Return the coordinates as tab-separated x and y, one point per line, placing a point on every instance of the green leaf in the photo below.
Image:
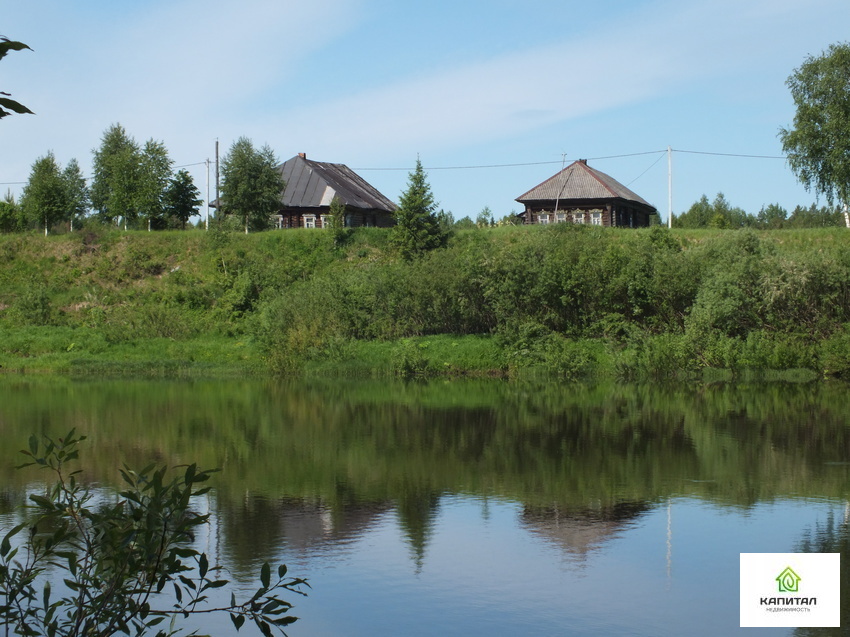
41	501
184	552
190	474
203	564
7	45
6	545
281	571
187	582
285	621
237	620
265	575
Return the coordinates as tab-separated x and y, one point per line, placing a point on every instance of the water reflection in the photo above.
578	532
260	526
404	482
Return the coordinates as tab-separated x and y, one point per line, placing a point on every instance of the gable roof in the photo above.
580	181
314	184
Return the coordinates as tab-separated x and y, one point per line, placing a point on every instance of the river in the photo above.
477	507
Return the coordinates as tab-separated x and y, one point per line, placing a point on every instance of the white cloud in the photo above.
665	47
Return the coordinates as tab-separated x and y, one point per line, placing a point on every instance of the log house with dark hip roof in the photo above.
581	194
311	186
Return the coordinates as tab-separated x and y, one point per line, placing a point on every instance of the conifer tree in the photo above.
78	192
417	228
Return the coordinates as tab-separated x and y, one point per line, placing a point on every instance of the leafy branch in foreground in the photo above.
7	104
124	561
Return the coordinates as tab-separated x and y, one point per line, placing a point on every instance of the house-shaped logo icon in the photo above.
789	581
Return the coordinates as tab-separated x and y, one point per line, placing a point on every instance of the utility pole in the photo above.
217	189
207	222
560	186
669	187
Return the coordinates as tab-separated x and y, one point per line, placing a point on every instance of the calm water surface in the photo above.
479	508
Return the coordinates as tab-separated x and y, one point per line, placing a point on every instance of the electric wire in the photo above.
520	164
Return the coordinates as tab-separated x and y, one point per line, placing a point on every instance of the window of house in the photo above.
578	217
561	217
596	219
309	221
543	218
326	221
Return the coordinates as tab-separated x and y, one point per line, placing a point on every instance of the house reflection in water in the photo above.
301	527
578	531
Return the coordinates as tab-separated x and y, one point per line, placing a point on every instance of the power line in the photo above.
517	165
533	163
660	157
700	152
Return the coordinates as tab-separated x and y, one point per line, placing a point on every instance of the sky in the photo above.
492	96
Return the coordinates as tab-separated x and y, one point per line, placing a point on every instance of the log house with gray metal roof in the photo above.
581	194
311	186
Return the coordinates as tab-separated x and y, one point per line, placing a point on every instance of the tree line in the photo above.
135	186
719	213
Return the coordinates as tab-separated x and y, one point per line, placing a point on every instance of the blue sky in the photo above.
374	83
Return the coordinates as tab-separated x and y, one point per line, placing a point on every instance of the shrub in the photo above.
409	360
117	554
33	306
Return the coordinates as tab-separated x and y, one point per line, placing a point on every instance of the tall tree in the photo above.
45	197
772	216
182	199
818	144
114	190
11	215
154	178
77	192
251	184
7	104
417	228
716	214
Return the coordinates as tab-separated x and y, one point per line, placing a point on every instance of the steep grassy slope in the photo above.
565	300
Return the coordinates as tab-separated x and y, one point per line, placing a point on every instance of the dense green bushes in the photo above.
576	301
566	300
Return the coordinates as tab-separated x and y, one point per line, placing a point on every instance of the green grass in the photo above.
564	301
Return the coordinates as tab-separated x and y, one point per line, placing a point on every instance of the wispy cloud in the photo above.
654	52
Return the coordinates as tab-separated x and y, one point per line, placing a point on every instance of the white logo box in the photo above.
790	590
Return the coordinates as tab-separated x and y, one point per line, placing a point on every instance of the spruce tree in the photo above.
417	228
78	192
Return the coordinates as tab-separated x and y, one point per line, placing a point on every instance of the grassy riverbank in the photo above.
564	301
